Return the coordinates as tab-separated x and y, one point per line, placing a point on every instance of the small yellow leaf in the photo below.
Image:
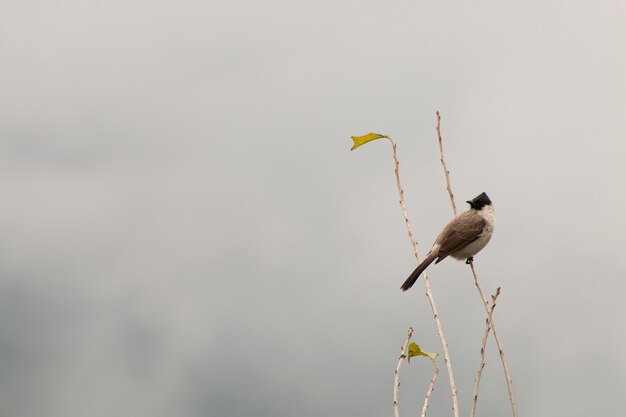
415	350
360	140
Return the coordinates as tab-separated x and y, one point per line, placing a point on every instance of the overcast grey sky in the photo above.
184	231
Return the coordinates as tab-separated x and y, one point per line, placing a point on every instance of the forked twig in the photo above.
480	290
505	366
481	365
396	380
429	295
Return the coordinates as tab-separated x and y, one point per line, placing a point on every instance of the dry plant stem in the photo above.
480	290
505	366
431	387
481	365
396	380
429	295
443	163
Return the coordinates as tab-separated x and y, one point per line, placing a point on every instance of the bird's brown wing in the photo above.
460	232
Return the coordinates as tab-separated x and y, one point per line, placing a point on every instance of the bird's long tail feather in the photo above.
416	274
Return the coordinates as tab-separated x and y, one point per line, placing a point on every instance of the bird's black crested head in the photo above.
479	201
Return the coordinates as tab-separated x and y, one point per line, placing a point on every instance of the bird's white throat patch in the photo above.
488	214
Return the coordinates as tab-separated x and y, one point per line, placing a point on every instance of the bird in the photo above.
462	238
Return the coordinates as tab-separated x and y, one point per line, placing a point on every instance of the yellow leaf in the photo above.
360	140
415	350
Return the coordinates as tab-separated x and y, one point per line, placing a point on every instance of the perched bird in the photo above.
462	238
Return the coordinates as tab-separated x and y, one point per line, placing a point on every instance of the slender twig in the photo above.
396	380
443	163
431	387
481	365
429	295
505	367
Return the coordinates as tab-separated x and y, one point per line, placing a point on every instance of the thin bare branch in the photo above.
443	163
396	380
429	295
481	365
505	366
431	387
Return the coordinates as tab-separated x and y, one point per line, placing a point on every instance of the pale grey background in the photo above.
184	231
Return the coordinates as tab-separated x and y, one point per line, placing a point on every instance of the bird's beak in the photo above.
469	202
